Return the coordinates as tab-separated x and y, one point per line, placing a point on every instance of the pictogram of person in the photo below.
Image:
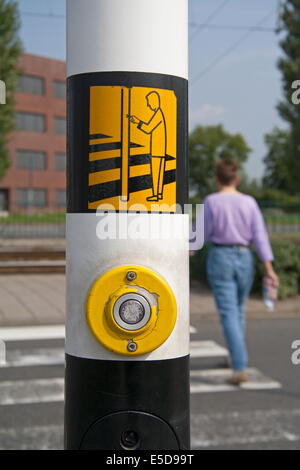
156	127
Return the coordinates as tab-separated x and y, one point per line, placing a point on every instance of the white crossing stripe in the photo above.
28	333
55	356
207	349
52	390
34	357
18	392
198	348
45	390
2	353
214	380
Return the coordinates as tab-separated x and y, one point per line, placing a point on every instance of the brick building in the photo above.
36	177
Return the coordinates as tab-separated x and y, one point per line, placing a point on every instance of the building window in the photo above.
31	122
31	160
32	197
59	89
60	125
61	198
32	85
4	199
60	161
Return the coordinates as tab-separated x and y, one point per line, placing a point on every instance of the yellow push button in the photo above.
131	310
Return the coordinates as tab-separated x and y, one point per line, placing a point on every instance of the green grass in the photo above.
59	218
47	218
290	237
289	219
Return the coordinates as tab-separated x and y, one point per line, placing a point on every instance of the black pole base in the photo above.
127	405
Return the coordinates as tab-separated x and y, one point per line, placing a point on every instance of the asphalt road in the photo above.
256	419
265	417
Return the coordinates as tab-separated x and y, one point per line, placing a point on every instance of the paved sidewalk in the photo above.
32	299
39	299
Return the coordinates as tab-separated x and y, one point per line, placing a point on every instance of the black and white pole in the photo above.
127	329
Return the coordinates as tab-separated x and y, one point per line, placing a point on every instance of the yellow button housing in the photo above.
115	284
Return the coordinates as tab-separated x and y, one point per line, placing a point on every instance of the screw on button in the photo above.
129	440
131	276
132	346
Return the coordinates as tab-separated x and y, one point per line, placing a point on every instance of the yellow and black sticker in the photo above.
132	147
127	139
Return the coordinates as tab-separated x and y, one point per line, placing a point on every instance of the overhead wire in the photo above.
235	27
214	13
231	47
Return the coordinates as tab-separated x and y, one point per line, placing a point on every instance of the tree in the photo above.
280	172
283	155
207	144
289	63
10	50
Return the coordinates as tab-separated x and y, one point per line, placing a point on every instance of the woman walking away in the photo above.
232	222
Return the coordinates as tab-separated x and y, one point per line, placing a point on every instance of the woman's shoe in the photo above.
238	377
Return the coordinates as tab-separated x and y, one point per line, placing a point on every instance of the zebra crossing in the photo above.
32	386
32	393
204	380
45	390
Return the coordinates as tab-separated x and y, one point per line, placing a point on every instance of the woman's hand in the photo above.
274	278
270	273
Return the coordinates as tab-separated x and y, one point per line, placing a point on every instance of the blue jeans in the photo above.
230	273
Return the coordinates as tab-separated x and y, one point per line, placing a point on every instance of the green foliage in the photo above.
289	63
280	163
46	217
198	264
275	200
10	50
287	266
283	155
207	144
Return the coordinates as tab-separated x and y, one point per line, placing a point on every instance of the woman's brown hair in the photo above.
227	171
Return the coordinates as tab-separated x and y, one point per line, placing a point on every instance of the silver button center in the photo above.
132	312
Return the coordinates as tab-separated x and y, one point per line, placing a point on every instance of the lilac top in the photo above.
235	219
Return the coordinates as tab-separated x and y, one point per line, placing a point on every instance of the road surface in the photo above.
264	415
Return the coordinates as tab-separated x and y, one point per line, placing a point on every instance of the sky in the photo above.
232	73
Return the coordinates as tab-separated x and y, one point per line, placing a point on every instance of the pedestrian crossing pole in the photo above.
127	325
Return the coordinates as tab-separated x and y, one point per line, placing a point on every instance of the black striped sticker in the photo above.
102	166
